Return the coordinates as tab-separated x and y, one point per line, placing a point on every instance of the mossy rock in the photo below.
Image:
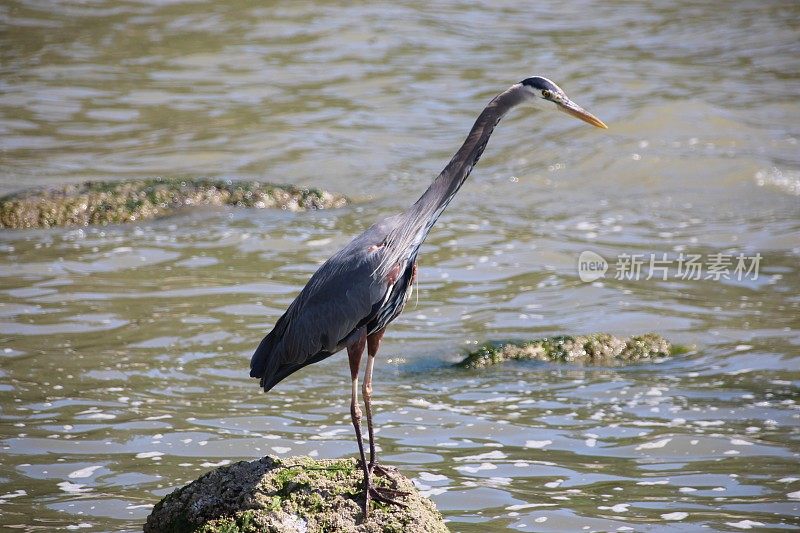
289	495
597	348
113	202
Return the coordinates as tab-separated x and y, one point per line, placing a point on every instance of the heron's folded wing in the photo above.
336	301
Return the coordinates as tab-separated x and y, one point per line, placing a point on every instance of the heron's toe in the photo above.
383	471
384	495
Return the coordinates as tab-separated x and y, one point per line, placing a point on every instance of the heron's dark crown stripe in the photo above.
539	83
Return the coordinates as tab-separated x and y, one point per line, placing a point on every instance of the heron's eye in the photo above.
546	94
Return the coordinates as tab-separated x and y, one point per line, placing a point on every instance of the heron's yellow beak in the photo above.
568	106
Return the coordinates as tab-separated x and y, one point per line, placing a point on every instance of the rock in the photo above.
112	202
598	348
290	495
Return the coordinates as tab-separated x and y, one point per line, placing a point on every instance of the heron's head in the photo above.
537	89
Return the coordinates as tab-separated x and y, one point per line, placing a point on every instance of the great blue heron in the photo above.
356	293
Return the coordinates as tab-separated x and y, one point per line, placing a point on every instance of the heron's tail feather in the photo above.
265	362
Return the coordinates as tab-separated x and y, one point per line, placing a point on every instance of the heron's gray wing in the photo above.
339	298
342	295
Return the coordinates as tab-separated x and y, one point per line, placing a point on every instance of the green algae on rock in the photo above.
598	348
289	495
113	202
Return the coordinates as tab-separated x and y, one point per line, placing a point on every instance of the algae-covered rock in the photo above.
112	202
295	494
599	348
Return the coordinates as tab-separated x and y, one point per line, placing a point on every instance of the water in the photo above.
125	349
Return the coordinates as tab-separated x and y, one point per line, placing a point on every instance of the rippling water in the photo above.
124	350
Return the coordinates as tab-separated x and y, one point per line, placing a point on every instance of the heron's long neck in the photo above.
421	216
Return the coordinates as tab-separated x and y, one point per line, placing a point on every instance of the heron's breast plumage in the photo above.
399	285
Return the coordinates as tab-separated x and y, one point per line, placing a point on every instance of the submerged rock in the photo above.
113	202
599	348
295	494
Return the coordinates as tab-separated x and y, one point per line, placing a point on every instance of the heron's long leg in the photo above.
385	495
373	343
354	353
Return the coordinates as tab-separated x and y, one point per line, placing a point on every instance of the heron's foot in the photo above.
379	469
383	471
386	495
